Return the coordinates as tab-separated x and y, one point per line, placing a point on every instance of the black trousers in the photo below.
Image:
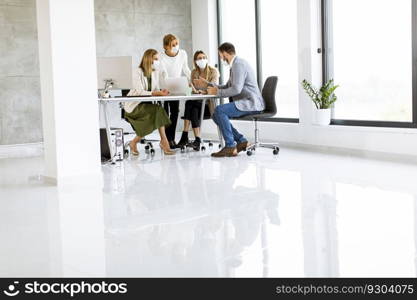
193	112
172	108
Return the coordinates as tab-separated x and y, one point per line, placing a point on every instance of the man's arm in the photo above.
203	83
220	86
235	84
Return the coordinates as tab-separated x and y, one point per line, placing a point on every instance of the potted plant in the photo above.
323	99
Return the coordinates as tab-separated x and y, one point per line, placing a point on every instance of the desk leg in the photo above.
203	106
108	131
218	128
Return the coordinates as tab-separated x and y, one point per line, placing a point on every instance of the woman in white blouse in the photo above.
175	62
143	116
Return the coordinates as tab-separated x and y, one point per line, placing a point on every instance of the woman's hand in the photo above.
212	91
164	92
200	83
160	93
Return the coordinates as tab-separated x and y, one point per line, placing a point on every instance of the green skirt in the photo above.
147	117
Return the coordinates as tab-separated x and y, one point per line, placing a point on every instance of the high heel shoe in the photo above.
134	153
165	151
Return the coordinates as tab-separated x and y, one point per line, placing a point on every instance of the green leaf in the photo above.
324	97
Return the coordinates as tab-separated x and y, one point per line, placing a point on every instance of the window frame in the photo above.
258	40
327	65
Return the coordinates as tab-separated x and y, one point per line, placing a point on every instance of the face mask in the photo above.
176	49
156	64
201	63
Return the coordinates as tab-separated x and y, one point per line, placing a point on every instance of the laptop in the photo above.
177	86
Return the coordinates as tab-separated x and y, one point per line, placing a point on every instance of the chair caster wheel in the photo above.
276	151
203	148
142	141
210	145
150	145
147	147
152	152
249	153
182	149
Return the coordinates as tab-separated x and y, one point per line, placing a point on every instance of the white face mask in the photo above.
201	63
156	64
175	49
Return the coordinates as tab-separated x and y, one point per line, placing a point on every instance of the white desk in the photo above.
105	101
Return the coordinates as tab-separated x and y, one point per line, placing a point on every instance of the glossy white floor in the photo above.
299	214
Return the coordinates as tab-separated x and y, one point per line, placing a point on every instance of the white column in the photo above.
309	66
67	52
204	24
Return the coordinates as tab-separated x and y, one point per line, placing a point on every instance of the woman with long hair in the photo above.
192	113
146	117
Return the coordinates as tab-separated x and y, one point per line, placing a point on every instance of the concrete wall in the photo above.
123	27
20	105
129	27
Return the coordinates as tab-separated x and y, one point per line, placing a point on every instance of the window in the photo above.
369	53
265	34
280	52
238	27
369	46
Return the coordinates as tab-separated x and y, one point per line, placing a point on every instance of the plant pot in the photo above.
323	117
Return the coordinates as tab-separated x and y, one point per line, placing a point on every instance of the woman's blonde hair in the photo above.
147	61
168	40
207	70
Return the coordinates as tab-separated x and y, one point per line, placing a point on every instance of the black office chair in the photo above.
268	93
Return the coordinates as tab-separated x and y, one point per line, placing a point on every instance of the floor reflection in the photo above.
304	214
174	226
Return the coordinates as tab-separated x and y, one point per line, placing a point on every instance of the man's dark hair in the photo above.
228	48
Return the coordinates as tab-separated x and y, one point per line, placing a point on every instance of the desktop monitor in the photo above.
118	69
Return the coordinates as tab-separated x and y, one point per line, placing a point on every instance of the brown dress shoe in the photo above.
242	146
226	152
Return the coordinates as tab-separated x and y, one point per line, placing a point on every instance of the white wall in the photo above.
204	23
386	140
